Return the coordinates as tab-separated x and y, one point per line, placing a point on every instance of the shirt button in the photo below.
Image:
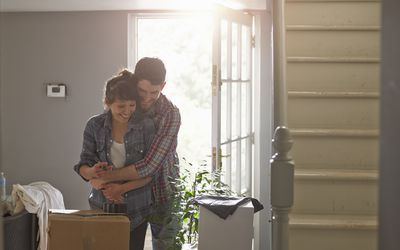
127	154
110	140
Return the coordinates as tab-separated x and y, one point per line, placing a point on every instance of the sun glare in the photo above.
184	44
204	4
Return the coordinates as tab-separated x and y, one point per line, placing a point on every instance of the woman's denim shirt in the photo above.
97	141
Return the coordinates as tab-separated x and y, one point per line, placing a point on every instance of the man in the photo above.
161	161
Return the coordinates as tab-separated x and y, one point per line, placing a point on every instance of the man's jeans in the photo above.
164	228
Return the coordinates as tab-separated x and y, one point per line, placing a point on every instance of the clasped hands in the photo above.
113	191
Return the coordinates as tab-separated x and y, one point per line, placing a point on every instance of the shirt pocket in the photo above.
139	149
136	149
101	151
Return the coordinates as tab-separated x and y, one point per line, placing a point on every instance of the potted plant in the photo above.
190	185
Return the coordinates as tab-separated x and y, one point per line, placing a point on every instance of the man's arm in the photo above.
164	143
126	173
115	191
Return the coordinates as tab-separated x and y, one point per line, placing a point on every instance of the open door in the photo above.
232	87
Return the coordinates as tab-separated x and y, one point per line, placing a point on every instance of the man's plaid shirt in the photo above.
161	160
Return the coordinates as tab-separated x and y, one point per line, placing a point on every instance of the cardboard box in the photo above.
87	230
234	233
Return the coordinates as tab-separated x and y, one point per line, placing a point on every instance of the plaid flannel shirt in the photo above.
161	161
97	140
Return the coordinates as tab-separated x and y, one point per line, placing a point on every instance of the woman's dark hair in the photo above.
121	86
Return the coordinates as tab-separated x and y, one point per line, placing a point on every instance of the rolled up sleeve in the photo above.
88	154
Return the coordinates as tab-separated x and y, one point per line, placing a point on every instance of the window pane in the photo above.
235	132
239	178
224	49
226	163
245	52
244	173
233	166
224	111
234	51
244	108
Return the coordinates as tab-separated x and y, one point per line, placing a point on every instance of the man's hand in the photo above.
113	192
98	183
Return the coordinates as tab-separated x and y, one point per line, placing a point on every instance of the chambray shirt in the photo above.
97	141
161	157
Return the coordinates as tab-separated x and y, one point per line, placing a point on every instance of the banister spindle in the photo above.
282	172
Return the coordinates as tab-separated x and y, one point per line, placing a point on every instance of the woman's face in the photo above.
122	110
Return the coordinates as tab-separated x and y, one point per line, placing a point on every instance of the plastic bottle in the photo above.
2	186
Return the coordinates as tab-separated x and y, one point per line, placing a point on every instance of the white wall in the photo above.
41	137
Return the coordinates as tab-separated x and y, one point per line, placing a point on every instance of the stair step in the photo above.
335	148
333	1
313	43
333	13
336	174
366	133
306	76
325	191
333	94
329	221
345	110
327	59
327	232
333	75
332	28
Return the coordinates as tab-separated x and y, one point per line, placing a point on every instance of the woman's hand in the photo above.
98	170
113	192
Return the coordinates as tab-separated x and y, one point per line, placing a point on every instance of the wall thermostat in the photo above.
56	90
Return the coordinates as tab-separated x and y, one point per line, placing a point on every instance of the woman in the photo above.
114	139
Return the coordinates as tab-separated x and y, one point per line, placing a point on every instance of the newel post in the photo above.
282	173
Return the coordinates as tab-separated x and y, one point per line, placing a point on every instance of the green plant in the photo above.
190	185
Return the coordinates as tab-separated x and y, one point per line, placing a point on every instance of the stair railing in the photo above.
282	166
279	62
282	173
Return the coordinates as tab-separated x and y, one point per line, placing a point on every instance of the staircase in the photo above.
333	102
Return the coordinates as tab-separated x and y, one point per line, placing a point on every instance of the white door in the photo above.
232	129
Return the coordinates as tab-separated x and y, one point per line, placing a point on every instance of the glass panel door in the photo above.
232	130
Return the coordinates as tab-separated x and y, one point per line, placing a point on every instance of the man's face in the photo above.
148	93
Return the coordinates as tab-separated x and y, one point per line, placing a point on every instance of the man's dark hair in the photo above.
151	69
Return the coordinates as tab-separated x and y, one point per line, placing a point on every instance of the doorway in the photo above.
183	43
